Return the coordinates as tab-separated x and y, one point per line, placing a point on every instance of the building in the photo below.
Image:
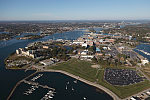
47	62
87	56
84	45
145	61
78	42
26	52
45	47
98	50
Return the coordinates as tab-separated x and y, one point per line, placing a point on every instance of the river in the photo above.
145	48
8	78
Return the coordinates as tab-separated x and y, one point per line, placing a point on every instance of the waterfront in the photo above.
11	45
59	82
10	77
145	48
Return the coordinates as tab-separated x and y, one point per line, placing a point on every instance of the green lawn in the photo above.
84	70
79	68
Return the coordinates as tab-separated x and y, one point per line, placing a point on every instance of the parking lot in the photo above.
121	76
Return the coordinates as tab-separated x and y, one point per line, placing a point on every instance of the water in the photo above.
59	82
97	30
8	78
4	32
145	48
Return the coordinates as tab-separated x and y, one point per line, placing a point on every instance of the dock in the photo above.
37	84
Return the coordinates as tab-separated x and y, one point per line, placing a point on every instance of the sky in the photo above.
74	9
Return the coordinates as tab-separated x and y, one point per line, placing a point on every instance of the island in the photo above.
30	37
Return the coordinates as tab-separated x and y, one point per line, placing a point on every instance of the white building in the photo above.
87	56
85	52
144	61
84	45
78	42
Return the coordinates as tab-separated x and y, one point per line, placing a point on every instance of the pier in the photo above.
18	83
30	83
37	84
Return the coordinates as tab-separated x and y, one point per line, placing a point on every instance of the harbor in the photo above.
54	88
73	89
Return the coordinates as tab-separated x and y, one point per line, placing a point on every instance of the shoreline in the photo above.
110	93
98	86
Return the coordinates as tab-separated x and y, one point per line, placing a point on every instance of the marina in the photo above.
49	95
36	77
144	52
42	88
53	81
9	46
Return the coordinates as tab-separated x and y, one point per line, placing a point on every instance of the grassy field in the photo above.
84	70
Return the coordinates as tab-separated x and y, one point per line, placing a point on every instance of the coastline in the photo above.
113	95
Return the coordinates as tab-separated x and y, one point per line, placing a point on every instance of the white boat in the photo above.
51	94
30	91
72	89
46	95
75	81
84	98
26	93
67	82
50	97
66	87
50	91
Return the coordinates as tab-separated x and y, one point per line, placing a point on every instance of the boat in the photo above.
84	98
46	95
66	87
75	81
26	93
30	91
51	94
72	89
50	91
50	97
67	82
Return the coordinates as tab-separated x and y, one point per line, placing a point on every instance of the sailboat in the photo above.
66	87
75	81
72	89
67	82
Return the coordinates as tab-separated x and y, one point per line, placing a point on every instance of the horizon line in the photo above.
82	20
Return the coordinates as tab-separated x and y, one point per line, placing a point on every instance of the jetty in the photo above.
37	84
18	83
113	95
